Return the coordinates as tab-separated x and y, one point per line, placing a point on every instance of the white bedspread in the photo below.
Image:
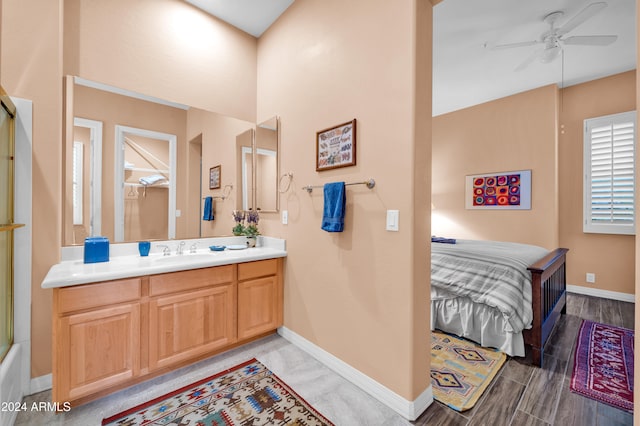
491	273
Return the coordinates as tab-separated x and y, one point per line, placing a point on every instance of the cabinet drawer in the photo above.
260	268
174	282
94	295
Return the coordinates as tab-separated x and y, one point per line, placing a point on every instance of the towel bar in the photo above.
370	184
225	193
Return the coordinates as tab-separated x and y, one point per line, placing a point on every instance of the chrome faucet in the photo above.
180	248
166	251
193	248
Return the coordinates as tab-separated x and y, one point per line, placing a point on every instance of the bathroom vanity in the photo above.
169	312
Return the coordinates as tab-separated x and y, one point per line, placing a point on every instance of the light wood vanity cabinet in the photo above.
259	297
96	337
185	324
110	335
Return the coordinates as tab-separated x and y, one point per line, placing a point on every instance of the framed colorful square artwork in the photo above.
499	191
336	146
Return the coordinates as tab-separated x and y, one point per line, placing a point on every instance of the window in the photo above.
609	169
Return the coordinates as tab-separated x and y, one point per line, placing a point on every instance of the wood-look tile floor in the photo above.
525	395
520	395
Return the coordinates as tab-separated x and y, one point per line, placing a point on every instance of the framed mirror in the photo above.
266	165
244	155
258	167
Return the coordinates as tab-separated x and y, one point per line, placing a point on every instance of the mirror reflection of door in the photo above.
266	175
145	201
86	178
244	144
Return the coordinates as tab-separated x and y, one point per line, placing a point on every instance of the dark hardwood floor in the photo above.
525	395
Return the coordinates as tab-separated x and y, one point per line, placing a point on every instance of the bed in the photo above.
499	294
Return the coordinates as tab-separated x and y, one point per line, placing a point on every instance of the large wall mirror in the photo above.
137	167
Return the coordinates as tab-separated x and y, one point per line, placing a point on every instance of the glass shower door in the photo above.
7	112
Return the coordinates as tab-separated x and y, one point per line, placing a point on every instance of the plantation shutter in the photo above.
610	174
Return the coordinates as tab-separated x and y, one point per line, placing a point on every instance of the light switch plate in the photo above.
285	217
393	217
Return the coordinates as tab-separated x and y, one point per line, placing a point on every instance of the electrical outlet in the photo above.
591	277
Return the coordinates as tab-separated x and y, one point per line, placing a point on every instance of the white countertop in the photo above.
73	271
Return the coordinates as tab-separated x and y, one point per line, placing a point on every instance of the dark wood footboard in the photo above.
549	285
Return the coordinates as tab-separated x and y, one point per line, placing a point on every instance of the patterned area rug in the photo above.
603	366
248	394
461	370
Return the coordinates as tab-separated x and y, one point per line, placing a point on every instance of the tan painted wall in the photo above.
610	257
31	62
513	133
164	48
362	294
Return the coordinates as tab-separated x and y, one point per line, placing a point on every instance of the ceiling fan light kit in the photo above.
553	39
549	54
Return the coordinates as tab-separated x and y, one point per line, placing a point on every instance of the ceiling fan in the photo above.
554	38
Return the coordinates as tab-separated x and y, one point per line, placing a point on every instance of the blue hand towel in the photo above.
208	209
335	200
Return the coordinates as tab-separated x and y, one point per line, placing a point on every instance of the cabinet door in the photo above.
97	349
259	306
187	325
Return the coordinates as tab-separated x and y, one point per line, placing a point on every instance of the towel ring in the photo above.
290	178
226	193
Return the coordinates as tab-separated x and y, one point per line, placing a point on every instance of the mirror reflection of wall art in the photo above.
336	146
215	174
499	191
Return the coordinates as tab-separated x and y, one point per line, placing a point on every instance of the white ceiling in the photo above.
465	72
251	16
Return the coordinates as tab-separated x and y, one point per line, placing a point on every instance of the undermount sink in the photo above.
184	258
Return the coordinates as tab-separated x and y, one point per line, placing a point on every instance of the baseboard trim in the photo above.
410	410
40	384
605	294
10	384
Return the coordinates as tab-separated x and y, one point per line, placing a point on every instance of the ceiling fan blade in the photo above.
512	45
596	40
582	16
524	64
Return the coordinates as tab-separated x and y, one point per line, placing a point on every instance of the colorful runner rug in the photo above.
603	366
248	394
461	370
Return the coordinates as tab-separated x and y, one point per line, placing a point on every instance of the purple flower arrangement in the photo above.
252	218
